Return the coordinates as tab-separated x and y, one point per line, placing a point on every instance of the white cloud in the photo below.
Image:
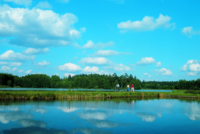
3	63
64	1
36	27
192	111
91	45
43	63
192	73
158	64
106	53
89	69
147	74
164	71
9	108
94	115
83	29
121	67
15	64
36	51
11	63
69	74
67	109
11	55
14	69
29	71
20	71
189	31
147	24
95	61
44	5
20	2
70	67
146	60
5	68
5	118
41	111
31	123
148	117
192	66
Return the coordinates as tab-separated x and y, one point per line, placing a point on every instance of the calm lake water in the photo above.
64	89
100	117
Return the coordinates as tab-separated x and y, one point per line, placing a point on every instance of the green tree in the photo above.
54	80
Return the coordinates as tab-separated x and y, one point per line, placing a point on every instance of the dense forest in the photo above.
91	81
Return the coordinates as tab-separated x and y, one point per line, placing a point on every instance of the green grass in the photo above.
74	94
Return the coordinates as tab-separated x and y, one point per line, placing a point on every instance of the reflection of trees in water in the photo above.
33	130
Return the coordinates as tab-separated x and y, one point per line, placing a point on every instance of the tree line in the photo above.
93	81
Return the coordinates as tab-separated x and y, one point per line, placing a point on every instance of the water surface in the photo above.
97	117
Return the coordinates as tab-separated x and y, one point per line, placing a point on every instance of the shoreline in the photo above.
82	95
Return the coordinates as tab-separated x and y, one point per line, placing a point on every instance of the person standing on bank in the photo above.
117	87
128	88
132	88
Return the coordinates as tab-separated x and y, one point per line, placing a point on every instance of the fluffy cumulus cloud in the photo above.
11	55
192	67
92	45
31	123
35	51
146	60
109	53
95	61
20	2
68	109
5	118
89	69
189	31
147	23
36	27
7	69
11	63
106	53
70	67
29	71
147	74
158	64
69	74
148	117
43	63
44	5
20	71
164	71
121	67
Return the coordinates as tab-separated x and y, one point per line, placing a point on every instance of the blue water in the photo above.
166	116
64	89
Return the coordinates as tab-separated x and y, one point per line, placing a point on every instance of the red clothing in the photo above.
132	85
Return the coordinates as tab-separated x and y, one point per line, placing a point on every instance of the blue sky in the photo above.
153	40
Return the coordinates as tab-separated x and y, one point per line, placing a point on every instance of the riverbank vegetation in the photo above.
70	94
94	81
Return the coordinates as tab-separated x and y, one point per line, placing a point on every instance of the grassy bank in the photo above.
59	95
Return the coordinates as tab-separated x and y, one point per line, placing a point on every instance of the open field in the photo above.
51	95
